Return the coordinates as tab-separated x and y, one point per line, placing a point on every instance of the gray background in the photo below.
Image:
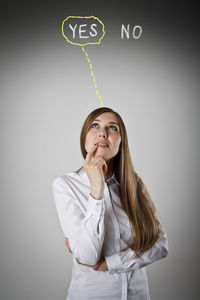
47	92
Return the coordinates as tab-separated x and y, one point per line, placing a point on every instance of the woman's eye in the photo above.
93	125
114	127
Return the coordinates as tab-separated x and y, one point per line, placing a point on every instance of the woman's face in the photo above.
104	130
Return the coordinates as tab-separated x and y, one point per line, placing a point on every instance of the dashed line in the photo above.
92	73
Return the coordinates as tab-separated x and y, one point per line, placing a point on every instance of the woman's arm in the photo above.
85	233
100	266
123	261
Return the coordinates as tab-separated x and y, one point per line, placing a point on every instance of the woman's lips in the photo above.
100	145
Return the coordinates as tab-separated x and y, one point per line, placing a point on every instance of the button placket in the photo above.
113	216
124	286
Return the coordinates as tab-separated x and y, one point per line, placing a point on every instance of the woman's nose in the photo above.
103	133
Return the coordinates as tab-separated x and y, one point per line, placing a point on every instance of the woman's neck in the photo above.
110	169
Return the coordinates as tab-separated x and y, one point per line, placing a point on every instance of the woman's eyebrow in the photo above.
111	122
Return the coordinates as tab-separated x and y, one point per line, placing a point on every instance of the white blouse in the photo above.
98	228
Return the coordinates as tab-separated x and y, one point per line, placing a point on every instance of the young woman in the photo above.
110	224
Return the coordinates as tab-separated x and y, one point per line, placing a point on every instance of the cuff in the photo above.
113	262
95	207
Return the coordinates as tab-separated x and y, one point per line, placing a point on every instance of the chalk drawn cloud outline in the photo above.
79	17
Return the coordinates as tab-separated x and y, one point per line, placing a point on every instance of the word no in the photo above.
136	32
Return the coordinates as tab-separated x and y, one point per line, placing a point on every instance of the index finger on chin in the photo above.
90	153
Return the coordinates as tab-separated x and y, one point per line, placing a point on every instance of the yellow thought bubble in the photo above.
83	44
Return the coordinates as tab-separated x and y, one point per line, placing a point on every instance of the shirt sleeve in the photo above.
123	261
85	231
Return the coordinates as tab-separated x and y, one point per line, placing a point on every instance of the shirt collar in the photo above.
113	177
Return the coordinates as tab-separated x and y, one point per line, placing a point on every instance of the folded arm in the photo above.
123	261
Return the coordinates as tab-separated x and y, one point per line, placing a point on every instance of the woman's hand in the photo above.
103	266
95	167
100	266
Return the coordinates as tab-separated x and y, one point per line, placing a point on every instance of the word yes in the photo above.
82	29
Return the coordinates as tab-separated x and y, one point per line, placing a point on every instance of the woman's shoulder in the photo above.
67	178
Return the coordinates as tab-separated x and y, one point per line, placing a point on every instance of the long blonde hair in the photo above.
134	197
